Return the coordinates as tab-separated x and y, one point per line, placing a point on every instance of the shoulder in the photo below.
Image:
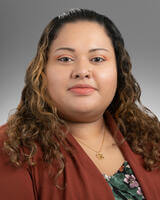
3	129
3	137
15	183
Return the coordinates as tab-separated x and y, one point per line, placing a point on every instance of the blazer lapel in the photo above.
149	181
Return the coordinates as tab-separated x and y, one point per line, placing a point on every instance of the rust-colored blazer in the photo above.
83	179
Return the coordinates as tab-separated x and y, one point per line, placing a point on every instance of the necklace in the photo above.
98	155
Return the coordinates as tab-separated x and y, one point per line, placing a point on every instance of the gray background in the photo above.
22	22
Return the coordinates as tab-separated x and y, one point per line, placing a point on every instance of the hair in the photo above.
36	122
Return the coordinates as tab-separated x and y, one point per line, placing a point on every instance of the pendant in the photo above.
99	156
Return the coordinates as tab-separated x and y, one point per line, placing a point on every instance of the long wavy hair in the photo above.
35	121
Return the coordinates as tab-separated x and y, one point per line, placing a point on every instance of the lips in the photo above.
82	89
82	86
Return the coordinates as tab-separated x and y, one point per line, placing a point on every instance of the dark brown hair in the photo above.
36	121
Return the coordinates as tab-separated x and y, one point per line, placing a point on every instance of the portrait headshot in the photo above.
81	129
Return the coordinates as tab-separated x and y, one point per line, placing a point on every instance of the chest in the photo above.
110	163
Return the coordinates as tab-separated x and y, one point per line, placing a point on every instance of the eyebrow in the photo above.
73	50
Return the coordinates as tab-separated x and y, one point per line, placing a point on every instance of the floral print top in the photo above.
124	184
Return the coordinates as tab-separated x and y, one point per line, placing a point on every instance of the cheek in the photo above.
108	85
108	78
55	82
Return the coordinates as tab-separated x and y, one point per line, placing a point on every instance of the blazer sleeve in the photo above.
15	183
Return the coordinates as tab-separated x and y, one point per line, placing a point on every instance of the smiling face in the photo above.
80	64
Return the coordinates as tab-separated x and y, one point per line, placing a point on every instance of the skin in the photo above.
83	113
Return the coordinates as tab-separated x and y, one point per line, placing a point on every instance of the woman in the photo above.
78	131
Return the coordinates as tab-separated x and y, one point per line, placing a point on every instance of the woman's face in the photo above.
81	64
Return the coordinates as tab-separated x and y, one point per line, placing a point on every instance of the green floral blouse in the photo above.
124	184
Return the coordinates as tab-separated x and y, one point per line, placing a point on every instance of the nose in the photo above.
81	75
81	72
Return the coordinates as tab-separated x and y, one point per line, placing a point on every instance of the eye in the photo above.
98	59
64	59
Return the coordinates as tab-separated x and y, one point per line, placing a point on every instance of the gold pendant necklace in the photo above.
98	155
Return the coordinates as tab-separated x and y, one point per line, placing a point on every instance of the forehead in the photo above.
82	33
85	24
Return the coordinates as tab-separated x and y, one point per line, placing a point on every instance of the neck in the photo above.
89	131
